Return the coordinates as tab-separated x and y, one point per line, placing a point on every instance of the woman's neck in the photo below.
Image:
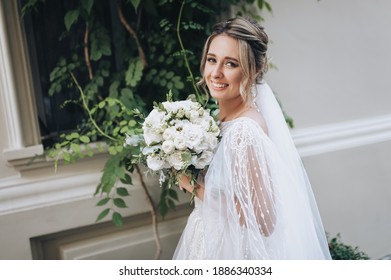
231	109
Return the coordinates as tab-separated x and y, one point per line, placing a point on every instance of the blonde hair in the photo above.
252	41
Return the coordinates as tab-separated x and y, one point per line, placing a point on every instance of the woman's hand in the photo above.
197	189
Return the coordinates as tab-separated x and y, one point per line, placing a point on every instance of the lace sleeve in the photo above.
252	185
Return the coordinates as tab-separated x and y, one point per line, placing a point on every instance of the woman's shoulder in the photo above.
256	117
247	122
249	125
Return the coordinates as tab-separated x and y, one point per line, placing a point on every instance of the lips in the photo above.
218	85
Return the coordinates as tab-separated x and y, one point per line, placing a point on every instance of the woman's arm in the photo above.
184	183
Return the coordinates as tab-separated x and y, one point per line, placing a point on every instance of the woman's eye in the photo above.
211	59
231	64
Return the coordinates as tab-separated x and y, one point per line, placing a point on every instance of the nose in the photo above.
217	71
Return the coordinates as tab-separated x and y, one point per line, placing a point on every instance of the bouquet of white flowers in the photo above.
180	138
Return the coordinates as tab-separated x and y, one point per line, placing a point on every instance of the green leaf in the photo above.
171	203
102	214
127	179
134	73
122	192
135	4
70	18
268	7
119	202
173	194
85	139
66	156
117	219
120	172
112	151
76	148
87	5
103	201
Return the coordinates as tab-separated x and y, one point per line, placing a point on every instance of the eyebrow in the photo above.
227	57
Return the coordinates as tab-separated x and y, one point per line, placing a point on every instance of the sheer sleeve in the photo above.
252	185
240	203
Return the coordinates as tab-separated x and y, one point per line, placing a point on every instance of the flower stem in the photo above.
199	97
83	97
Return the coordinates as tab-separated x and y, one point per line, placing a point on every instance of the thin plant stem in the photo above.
199	98
85	105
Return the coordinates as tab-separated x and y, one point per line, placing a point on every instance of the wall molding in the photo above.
79	182
318	140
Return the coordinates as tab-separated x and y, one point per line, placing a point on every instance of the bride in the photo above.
255	201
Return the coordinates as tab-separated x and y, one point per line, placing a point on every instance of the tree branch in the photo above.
86	53
153	213
132	33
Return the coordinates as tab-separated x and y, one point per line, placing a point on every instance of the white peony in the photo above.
175	160
170	133
156	163
193	134
168	146
133	140
180	142
152	136
203	160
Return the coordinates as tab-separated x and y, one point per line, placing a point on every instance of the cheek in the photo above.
237	78
207	71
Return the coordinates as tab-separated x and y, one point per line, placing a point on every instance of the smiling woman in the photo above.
255	201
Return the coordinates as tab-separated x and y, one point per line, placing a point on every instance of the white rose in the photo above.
156	163
175	160
204	145
203	160
193	135
194	115
211	139
152	136
154	119
149	150
168	146
180	142
180	113
133	140
169	134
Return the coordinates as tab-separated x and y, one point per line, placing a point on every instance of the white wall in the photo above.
333	60
334	66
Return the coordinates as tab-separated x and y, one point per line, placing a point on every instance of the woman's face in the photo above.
222	71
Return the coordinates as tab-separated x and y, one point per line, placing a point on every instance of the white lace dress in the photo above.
252	208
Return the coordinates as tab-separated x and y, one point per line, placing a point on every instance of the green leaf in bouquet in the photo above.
169	96
163	208
173	194
171	203
186	157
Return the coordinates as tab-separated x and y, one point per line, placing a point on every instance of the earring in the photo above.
254	96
